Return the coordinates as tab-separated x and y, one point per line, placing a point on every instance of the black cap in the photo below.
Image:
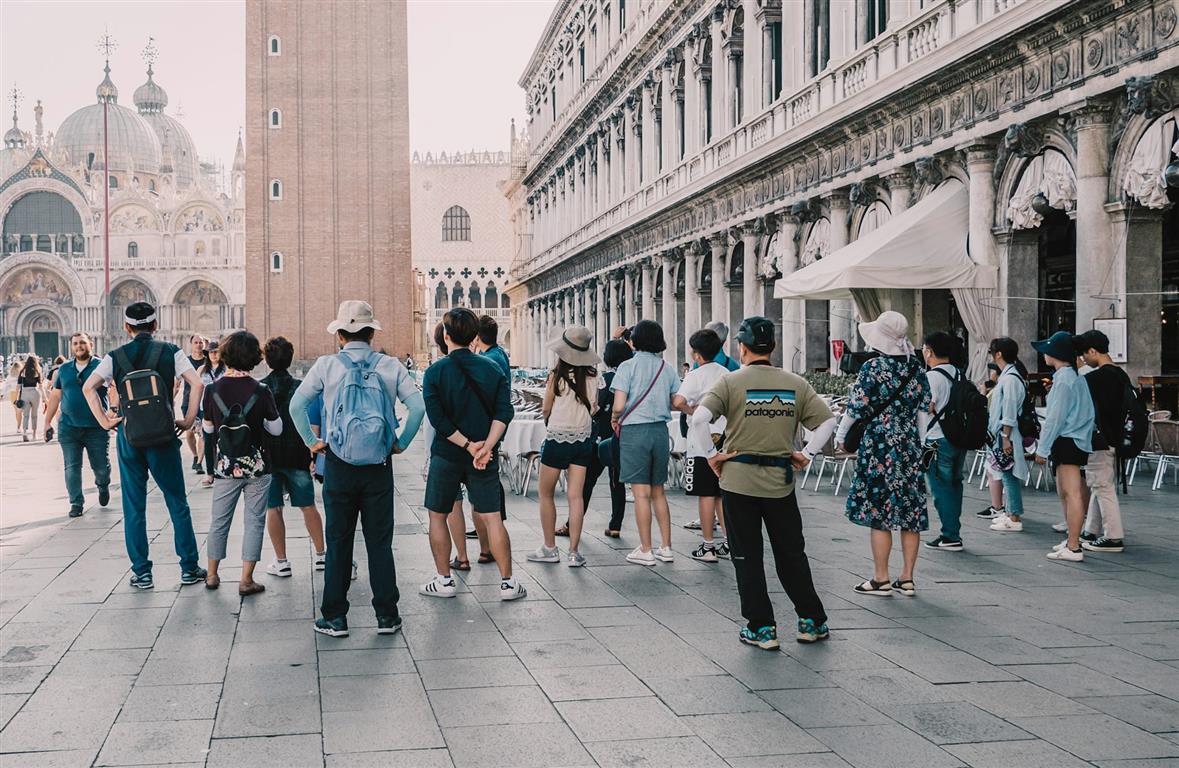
757	333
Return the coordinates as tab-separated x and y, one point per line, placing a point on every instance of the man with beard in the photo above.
78	429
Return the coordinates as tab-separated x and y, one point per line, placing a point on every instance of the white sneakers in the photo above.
1061	527
663	554
639	557
511	590
279	568
439	587
1062	552
543	554
1006	524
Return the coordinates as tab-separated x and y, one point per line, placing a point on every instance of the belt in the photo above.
760	460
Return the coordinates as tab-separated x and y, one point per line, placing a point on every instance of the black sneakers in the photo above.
990	513
387	625
1103	545
193	575
336	627
75	510
1086	536
941	542
143	581
104	495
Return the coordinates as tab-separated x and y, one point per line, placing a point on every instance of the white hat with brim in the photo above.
573	346
354	316
888	334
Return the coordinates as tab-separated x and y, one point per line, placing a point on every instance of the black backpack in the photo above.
1135	425
1028	421
144	402
238	456
964	417
287	449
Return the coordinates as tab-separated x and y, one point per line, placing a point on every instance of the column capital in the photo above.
900	178
673	256
1090	113
838	198
753	227
718	240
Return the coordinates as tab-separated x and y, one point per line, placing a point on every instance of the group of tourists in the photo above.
750	428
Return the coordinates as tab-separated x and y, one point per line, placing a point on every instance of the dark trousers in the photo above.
350	492
95	441
617	490
744	517
210	452
163	463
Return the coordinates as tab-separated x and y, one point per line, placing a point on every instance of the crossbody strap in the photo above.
876	411
658	374
938	416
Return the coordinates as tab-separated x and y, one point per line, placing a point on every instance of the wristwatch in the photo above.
467	444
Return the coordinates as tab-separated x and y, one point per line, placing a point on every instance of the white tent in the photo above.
923	247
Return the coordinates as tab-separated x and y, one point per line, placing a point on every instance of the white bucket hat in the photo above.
573	346
353	316
888	334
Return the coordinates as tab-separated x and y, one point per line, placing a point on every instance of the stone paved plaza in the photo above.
1003	659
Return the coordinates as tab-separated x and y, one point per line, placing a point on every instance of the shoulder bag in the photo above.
856	434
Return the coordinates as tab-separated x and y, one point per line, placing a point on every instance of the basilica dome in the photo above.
177	148
133	143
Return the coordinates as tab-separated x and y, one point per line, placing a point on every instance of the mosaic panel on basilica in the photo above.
176	231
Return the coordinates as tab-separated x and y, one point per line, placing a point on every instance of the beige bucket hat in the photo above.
353	316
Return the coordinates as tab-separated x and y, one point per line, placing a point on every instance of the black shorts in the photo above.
446	479
563	455
1065	451
699	479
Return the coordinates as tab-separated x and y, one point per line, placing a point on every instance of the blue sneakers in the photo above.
809	633
142	581
765	638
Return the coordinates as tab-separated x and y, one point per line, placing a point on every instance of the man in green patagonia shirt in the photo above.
763	406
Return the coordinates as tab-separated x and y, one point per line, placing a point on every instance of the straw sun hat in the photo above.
573	346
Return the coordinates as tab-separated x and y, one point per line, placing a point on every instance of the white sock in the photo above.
708	543
446	578
510	581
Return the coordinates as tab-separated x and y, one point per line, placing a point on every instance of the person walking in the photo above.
945	473
1066	437
1006	464
144	365
194	438
32	391
642	388
212	370
239	413
601	460
360	426
1109	386
12	393
568	409
290	463
77	429
887	493
699	478
762	406
465	450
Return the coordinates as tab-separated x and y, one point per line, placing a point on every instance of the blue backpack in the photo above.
363	424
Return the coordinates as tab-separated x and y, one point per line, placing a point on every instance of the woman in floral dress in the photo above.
888	491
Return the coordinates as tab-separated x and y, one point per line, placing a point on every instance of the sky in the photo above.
465	59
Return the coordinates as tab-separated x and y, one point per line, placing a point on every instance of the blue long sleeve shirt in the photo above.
328	374
1070	412
452	406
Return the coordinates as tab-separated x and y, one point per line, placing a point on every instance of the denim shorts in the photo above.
644	451
293	482
446	478
562	455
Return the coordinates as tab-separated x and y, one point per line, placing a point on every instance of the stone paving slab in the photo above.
1003	659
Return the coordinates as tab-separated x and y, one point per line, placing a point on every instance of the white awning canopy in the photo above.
923	247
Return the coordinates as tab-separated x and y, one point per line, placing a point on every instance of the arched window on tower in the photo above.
274	46
114	182
491	297
475	297
275	189
276	261
132	250
440	297
456	224
276	118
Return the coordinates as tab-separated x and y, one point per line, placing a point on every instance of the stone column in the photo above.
601	324
587	304
614	288
648	268
618	157
793	310
900	190
601	178
1140	232
628	302
667	307
569	300
650	136
691	96
841	311
750	237
667	108
1095	245
1019	275
719	243
720	81
691	269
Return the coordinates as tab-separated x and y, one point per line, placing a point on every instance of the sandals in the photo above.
212	581
563	530
905	587
460	565
613	534
486	557
872	587
253	588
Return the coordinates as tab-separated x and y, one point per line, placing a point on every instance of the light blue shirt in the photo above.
1070	412
1003	411
634	376
328	373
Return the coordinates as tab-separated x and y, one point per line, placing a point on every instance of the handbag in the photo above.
629	411
856	433
19	403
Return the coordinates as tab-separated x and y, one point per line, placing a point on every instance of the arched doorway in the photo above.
200	304
43	329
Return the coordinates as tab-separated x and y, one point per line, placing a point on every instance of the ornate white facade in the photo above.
461	236
176	240
688	155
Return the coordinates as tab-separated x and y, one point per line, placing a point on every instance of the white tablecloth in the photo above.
523	436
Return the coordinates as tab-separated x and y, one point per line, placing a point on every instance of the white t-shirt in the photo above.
939	388
106	366
696	385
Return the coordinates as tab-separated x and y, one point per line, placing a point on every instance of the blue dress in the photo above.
888	491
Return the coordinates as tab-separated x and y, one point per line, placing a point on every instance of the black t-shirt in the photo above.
29	379
237	390
1107	386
